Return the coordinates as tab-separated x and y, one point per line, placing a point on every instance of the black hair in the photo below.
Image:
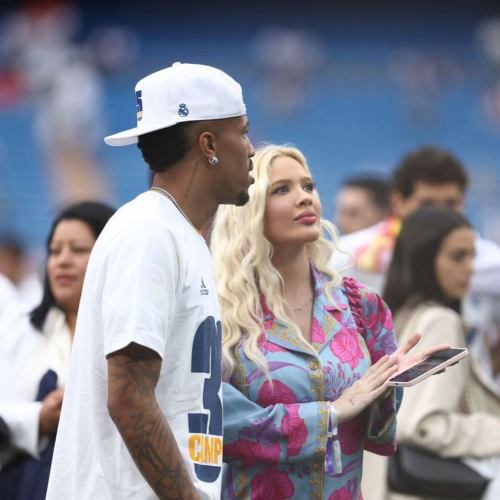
378	189
92	213
13	243
163	148
429	164
411	278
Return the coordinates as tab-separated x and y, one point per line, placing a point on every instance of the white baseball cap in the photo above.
181	93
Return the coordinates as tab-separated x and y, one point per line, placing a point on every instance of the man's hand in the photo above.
50	412
133	373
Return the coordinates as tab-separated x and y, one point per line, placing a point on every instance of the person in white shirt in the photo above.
8	294
142	412
35	350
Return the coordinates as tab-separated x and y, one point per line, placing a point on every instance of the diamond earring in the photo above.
213	161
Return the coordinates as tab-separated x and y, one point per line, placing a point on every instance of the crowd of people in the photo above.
215	337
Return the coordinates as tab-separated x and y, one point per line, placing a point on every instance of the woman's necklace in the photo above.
165	193
308	301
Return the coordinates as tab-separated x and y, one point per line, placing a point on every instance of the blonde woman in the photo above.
305	381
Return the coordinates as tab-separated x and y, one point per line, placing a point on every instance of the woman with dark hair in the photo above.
88	219
38	353
413	275
456	414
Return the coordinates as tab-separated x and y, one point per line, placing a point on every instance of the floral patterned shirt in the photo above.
275	434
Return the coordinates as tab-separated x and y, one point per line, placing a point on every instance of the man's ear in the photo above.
207	144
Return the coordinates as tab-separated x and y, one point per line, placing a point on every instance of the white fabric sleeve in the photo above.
430	414
23	420
486	277
139	290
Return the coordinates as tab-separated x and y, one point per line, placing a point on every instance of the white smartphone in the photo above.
433	364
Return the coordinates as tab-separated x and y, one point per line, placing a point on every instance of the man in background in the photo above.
361	202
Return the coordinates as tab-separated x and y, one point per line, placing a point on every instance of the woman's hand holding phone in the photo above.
377	379
417	367
406	360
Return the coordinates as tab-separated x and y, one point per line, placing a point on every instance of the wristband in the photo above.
333	461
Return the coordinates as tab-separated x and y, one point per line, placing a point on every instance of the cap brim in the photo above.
124	138
130	136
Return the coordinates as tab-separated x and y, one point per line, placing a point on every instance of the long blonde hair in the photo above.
243	267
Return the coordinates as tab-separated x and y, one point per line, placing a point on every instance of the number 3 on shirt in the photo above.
205	442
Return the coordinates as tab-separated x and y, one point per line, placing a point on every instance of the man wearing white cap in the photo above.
142	411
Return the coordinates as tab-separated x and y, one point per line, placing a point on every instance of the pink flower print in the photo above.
268	323
271	347
276	393
272	484
317	333
295	429
348	492
265	346
261	430
378	315
372	308
261	343
345	346
385	318
352	433
381	346
335	313
266	312
252	453
341	494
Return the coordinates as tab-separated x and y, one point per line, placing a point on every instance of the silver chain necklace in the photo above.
303	305
165	193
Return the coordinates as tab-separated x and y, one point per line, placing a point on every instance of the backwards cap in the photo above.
181	93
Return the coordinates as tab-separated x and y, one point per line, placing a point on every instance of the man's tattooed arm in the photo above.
133	373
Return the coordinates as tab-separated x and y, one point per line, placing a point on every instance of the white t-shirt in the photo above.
149	281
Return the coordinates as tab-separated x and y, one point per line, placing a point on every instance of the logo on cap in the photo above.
138	106
183	110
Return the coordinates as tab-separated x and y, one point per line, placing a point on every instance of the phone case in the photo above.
441	366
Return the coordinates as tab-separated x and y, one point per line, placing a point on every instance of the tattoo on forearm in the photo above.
149	439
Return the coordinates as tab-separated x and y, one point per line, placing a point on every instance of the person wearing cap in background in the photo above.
142	413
